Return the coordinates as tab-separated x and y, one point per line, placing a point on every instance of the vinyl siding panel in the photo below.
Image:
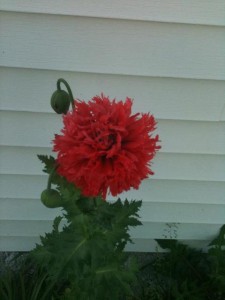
118	46
166	165
147	245
157	190
154	211
168	98
33	228
37	130
169	57
177	11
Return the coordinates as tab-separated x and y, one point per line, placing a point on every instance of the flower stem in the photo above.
72	254
105	271
61	80
50	178
78	246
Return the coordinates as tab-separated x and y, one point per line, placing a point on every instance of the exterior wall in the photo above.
169	57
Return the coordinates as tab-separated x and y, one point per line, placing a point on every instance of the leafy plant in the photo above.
179	274
25	283
184	273
217	258
86	257
102	148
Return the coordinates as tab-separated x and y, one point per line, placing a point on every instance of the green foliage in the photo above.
49	162
217	258
49	167
86	258
60	101
184	273
26	283
87	254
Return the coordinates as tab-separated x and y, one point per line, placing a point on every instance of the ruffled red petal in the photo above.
103	148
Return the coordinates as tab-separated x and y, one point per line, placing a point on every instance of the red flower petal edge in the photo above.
104	148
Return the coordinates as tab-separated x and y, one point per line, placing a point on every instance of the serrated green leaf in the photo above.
56	223
94	238
166	243
48	161
220	239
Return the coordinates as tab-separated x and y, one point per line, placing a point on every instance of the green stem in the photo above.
50	178
61	80
78	246
105	271
68	259
74	251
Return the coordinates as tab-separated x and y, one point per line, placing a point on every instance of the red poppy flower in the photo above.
103	148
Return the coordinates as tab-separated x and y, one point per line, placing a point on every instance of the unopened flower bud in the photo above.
60	101
51	198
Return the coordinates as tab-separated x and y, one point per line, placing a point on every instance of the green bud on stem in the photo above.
60	102
51	198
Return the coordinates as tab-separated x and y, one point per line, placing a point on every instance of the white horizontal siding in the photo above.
148	245
30	231
161	54
180	11
167	220
18	243
166	165
168	98
32	209
156	190
117	46
38	129
149	230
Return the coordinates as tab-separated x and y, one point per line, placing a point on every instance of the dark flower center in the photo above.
106	141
